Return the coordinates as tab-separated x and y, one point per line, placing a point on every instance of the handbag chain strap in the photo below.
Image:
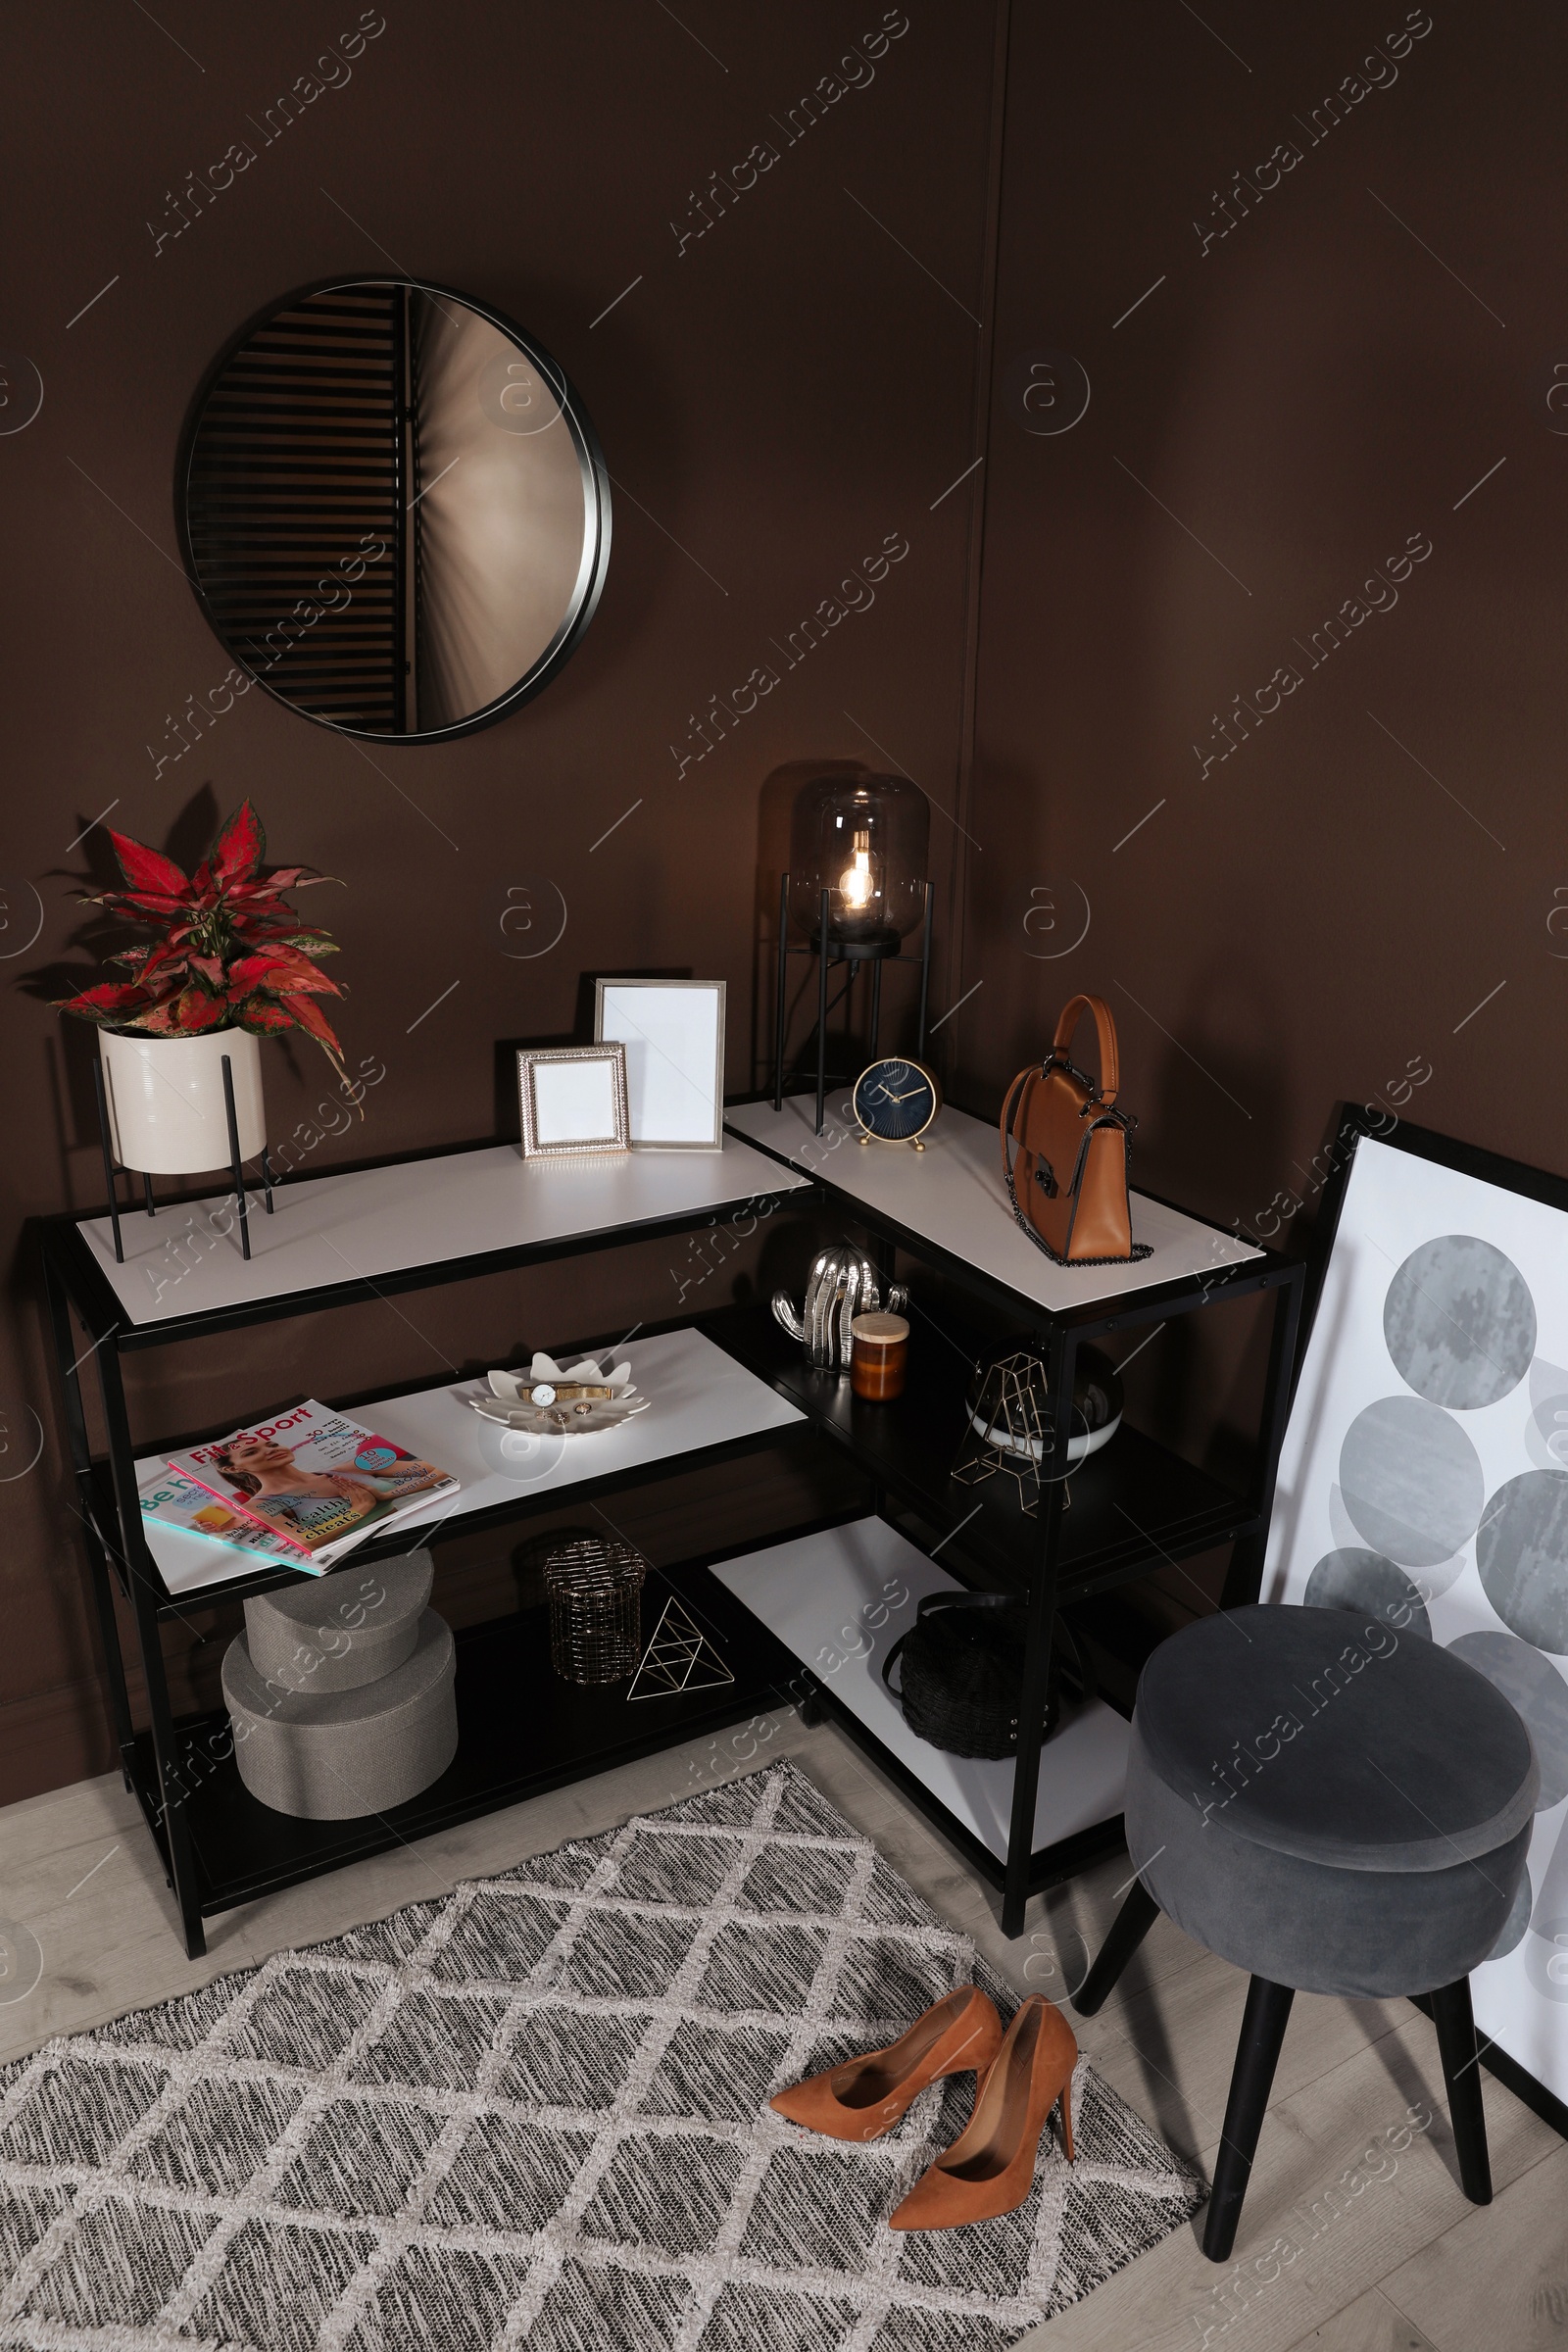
1139	1251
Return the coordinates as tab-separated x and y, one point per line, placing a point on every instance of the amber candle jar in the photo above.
878	1347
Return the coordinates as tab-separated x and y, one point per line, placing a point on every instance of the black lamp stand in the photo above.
846	953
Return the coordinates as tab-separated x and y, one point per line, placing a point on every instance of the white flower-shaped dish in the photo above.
510	1403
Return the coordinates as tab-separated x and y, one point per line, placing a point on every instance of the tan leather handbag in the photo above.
1065	1148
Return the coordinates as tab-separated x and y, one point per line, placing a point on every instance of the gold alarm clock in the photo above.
896	1101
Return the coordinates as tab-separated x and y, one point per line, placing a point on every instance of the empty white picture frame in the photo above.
673	1032
573	1101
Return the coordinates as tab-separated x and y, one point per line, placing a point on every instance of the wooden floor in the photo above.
1355	2236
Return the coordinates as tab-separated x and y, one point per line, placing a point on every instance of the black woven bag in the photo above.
960	1668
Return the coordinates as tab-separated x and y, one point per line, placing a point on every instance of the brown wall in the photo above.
1322	909
773	399
1306	920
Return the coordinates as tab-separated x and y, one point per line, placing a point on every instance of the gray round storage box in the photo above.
332	1755
338	1632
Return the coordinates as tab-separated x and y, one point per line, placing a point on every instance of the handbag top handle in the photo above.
1106	1035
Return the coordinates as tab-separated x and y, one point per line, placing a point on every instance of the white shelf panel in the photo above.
700	1397
952	1195
332	1229
825	1594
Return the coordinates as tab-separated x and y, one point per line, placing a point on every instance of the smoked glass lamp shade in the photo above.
865	841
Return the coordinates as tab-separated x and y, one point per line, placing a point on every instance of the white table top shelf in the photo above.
952	1195
698	1396
462	1205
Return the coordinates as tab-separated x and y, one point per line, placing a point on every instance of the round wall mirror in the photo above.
393	509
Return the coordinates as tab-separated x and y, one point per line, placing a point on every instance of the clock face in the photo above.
896	1101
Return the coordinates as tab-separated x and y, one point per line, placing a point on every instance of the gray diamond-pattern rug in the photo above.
534	2114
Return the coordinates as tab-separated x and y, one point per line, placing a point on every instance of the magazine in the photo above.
314	1477
172	1500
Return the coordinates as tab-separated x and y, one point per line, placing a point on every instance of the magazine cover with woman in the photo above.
317	1479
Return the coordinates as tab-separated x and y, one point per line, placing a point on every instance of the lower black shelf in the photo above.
520	1730
1130	1506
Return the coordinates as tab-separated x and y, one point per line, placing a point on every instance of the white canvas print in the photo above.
1424	1478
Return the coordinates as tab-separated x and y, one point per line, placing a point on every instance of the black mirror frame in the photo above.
596	500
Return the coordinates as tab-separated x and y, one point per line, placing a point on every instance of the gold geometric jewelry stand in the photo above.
679	1657
1020	1437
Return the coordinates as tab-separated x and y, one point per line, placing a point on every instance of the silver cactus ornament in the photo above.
843	1283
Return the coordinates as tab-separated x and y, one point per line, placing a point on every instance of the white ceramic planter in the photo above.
166	1100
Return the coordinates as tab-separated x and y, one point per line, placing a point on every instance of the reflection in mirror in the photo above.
394	510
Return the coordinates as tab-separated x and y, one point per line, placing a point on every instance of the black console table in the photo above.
724	1384
341	1240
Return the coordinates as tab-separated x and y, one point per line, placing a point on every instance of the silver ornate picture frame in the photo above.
573	1100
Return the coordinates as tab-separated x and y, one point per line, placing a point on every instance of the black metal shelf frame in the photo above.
1132	1507
1036	1554
106	1503
1122	1508
520	1732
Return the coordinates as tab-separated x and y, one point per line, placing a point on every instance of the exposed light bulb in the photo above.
857	883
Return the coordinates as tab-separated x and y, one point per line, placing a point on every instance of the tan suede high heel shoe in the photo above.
991	2167
866	2097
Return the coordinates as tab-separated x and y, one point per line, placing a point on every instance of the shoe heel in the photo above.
1066	2121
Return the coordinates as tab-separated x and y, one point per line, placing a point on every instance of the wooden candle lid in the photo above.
879	1330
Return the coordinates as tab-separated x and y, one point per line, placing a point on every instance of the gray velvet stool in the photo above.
1337	1807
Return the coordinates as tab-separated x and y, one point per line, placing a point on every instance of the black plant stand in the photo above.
114	1169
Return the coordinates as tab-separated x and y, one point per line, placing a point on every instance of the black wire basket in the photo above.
960	1672
594	1590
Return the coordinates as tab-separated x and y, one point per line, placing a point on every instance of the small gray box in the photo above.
341	1631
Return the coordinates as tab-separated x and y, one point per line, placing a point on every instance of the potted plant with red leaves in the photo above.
229	963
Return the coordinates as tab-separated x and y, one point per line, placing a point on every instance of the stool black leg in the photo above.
1461	2075
1268	2011
1128	1928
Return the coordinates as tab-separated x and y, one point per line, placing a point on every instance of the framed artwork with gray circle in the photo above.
1423	1483
393	509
